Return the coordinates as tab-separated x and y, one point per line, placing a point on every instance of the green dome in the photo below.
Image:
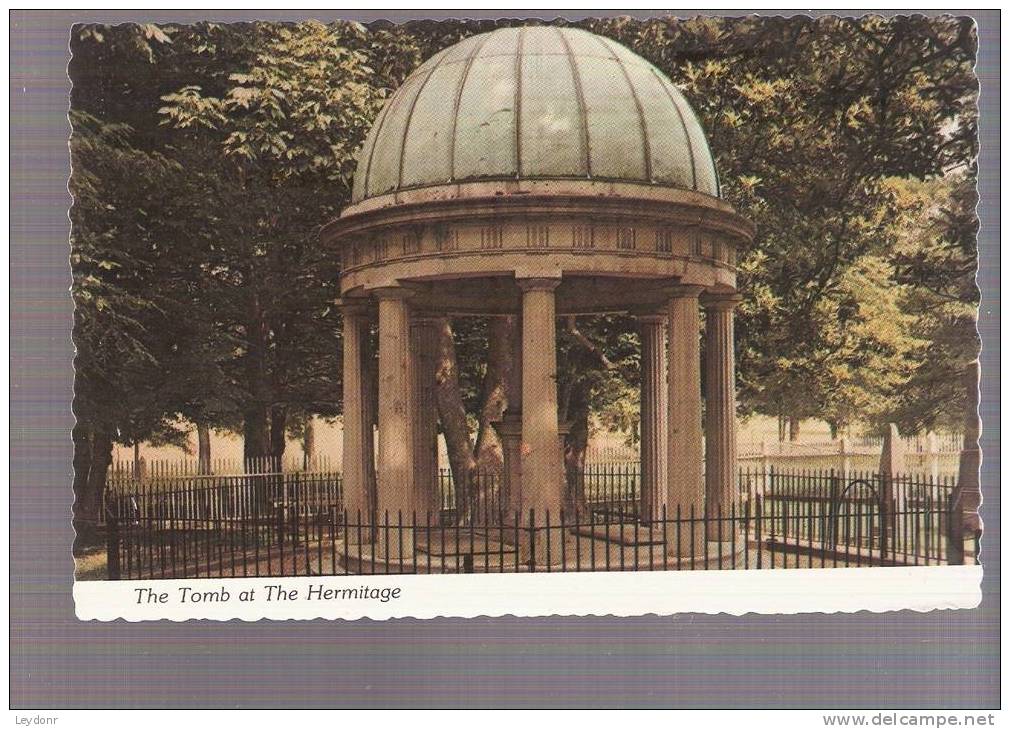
535	103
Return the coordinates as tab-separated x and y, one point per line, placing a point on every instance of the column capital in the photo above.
424	318
683	291
392	293
541	283
720	301
650	315
354	306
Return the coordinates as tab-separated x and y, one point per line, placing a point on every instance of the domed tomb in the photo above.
537	172
537	150
535	104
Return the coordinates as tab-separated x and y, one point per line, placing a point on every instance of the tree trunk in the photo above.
256	434
576	444
89	506
452	414
494	398
782	428
308	443
794	428
965	521
257	445
203	448
81	436
278	432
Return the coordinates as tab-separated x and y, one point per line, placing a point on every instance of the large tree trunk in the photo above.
256	435
257	445
494	397
89	502
278	432
794	428
308	443
782	428
82	461
576	444
203	454
488	452
452	415
965	522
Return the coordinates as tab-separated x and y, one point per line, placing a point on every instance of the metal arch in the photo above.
837	500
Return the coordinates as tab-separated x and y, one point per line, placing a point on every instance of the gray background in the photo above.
943	659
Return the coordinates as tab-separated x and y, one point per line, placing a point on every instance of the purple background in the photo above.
942	659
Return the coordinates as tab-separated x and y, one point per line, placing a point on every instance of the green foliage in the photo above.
599	368
207	156
809	119
935	260
140	353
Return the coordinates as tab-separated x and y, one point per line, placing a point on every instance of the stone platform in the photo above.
581	553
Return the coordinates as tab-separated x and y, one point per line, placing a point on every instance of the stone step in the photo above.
479	546
628	535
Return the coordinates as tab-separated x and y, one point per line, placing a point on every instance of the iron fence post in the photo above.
112	545
533	542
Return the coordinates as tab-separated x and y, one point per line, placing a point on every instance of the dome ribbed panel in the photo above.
427	155
550	111
535	103
486	121
384	172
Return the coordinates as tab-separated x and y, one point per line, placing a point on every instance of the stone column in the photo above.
395	487
684	485
542	484
653	414
424	344
358	487
720	413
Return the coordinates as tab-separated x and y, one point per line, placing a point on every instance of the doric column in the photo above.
684	482
653	416
542	484
396	494
358	457
424	343
720	411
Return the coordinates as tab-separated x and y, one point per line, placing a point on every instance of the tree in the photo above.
935	261
849	141
808	118
279	139
134	341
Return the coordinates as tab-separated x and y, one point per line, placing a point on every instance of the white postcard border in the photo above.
351	597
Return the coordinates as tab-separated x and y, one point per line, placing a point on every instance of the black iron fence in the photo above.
613	488
294	524
196	498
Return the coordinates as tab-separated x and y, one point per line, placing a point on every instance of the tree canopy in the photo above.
207	157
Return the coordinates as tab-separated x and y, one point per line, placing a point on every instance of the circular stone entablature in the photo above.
536	152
